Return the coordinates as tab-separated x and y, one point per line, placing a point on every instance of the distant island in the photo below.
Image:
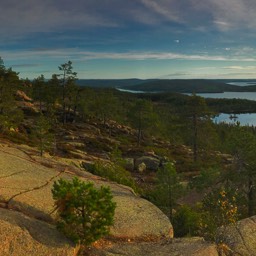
172	85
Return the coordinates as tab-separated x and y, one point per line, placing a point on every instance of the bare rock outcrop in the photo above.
152	163
21	95
176	247
25	190
21	235
27	217
240	238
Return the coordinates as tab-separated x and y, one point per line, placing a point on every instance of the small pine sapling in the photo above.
84	212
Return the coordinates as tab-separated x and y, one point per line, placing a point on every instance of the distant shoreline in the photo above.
172	85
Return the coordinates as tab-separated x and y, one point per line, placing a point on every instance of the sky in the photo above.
113	39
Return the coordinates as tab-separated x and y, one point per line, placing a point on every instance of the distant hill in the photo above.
167	85
111	83
189	86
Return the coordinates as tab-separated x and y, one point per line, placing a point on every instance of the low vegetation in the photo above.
85	213
113	172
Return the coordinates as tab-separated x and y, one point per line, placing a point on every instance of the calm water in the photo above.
244	119
230	95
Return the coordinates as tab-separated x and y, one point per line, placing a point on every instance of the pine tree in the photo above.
67	82
85	213
10	115
168	189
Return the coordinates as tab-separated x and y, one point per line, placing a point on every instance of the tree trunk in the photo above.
139	136
250	197
195	149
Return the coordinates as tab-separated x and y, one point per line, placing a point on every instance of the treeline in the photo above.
176	117
188	86
229	106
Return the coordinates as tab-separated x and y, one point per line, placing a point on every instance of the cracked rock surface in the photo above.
25	193
176	247
241	238
22	235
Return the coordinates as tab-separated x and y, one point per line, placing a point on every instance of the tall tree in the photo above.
105	106
43	134
67	80
10	115
39	90
143	117
242	145
198	115
168	189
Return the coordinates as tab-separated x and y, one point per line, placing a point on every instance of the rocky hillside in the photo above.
27	216
27	213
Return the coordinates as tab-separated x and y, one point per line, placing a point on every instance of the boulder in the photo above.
129	164
240	238
176	247
28	107
26	183
141	167
136	218
21	95
21	235
152	163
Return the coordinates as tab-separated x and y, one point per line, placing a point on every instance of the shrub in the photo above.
186	221
85	213
219	210
115	173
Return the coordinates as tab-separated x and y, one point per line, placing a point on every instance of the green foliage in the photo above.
207	178
219	209
43	134
197	120
85	213
186	221
168	189
69	89
10	115
232	105
241	143
116	157
10	119
46	93
106	106
114	172
143	117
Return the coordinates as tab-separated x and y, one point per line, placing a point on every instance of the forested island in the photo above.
164	146
171	85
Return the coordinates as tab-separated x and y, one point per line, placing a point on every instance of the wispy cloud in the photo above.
247	68
231	14
76	54
163	8
26	65
28	16
223	15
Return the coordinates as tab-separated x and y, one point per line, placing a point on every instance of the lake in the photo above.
244	119
230	95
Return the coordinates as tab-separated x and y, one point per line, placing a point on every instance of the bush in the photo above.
219	209
85	213
115	173
186	221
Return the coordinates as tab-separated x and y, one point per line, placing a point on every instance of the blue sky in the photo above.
130	38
